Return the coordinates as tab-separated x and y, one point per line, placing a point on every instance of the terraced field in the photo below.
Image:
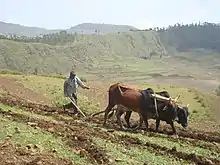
34	130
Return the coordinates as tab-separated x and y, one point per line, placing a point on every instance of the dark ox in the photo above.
134	100
166	112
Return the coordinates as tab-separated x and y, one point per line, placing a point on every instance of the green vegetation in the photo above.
24	135
86	53
117	151
192	36
132	56
134	155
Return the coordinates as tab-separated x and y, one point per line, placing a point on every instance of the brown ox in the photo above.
128	97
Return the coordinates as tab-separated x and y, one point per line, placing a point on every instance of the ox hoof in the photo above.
92	115
124	128
135	128
175	136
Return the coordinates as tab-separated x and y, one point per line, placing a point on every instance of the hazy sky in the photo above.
54	14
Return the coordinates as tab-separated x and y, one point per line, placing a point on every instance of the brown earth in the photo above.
13	86
14	155
80	136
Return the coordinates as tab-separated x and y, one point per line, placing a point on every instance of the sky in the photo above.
62	14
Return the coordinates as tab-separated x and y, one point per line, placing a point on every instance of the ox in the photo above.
134	100
166	112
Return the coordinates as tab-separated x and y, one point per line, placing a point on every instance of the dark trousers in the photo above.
70	105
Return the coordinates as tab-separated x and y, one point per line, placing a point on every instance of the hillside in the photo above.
86	28
123	56
86	52
184	38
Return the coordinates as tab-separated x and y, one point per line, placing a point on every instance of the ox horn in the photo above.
187	105
177	97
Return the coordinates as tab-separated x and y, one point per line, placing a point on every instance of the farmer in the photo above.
70	89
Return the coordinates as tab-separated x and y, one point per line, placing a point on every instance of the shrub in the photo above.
7	71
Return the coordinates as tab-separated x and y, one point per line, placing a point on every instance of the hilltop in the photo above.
91	28
86	28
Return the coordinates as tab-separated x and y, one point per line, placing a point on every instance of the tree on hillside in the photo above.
191	36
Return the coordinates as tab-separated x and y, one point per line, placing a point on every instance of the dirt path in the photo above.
13	86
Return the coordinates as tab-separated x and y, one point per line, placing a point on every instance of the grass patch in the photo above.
122	155
8	71
45	140
27	113
96	98
183	147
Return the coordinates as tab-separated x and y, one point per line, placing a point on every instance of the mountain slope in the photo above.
19	30
87	52
183	38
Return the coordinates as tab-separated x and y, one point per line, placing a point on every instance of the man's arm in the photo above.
81	83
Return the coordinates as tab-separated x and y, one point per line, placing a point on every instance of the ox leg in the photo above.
127	118
173	128
140	122
107	110
118	116
146	122
157	124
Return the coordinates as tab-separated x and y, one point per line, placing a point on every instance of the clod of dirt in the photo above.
51	129
208	161
54	150
110	161
28	146
9	136
35	161
174	148
118	160
110	130
32	124
82	152
17	130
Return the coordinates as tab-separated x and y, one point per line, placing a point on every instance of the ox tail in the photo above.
98	113
111	114
94	114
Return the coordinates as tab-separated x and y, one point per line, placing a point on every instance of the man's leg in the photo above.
68	106
75	98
